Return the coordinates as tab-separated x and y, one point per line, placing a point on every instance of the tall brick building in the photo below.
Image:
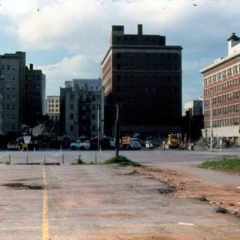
33	96
222	94
144	75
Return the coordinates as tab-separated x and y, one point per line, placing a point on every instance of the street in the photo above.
108	202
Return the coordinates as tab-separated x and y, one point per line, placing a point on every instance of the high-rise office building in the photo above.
143	75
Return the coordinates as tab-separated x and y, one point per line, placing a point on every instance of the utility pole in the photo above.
98	126
117	130
211	126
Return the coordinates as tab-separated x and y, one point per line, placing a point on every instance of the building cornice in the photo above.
139	47
221	62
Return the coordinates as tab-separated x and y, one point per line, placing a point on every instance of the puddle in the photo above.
21	186
222	210
166	190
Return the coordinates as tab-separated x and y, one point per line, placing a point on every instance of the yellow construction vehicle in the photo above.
172	141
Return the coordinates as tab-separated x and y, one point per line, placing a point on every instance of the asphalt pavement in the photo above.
93	202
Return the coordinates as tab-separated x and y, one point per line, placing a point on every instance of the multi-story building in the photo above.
194	107
1	120
192	121
222	94
53	108
12	76
33	96
143	75
82	108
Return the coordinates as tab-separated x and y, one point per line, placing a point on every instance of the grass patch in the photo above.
5	162
223	164
121	161
78	161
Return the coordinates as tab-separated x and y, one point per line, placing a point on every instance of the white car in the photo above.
80	144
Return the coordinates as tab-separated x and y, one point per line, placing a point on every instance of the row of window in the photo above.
7	78
8	67
11	97
221	87
54	118
162	67
223	99
8	107
53	101
52	105
143	38
53	110
149	78
223	122
224	110
222	75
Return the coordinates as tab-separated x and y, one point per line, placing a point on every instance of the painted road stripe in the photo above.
45	233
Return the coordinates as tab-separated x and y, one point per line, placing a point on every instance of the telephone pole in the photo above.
117	130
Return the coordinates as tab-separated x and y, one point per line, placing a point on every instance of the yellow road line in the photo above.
45	232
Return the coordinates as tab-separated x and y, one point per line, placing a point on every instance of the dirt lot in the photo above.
186	186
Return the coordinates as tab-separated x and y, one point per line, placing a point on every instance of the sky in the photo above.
68	38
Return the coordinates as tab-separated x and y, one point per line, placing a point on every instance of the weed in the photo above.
223	164
78	161
121	161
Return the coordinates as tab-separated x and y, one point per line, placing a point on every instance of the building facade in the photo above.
12	76
33	96
82	108
192	120
222	95
195	107
143	75
53	108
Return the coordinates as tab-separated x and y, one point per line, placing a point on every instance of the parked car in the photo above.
81	144
13	146
149	144
134	144
129	143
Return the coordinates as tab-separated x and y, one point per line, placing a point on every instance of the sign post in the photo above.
27	140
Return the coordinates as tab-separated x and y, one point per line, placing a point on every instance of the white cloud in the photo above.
78	66
82	28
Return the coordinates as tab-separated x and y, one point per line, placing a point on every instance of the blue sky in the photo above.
68	38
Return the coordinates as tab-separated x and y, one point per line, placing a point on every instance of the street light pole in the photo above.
117	130
211	126
98	125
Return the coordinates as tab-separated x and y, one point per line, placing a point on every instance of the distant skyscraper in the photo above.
144	75
12	76
222	94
